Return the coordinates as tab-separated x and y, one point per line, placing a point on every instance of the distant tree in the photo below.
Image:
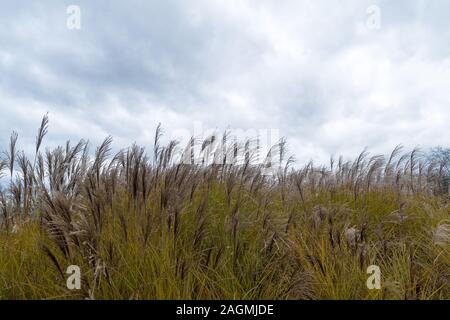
441	158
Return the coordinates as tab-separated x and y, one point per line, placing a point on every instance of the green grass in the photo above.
143	228
259	260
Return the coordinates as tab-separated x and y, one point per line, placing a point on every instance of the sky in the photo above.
331	78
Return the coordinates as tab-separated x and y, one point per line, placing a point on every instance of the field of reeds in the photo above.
147	226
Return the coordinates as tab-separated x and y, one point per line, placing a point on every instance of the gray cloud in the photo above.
312	69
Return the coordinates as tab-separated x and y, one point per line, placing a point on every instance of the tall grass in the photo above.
152	227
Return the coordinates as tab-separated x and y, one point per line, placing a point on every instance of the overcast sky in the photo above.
330	77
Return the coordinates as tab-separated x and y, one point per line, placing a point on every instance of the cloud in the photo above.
311	69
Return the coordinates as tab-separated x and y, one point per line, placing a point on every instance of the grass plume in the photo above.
154	227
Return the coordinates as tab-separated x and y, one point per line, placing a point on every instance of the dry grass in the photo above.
150	227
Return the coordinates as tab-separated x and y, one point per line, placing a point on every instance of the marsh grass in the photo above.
150	227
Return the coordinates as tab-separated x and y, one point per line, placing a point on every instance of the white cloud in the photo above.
311	69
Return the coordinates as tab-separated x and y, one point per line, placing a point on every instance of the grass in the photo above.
142	227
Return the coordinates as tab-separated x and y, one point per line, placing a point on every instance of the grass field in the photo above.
148	227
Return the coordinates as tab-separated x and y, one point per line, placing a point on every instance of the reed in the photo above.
153	227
